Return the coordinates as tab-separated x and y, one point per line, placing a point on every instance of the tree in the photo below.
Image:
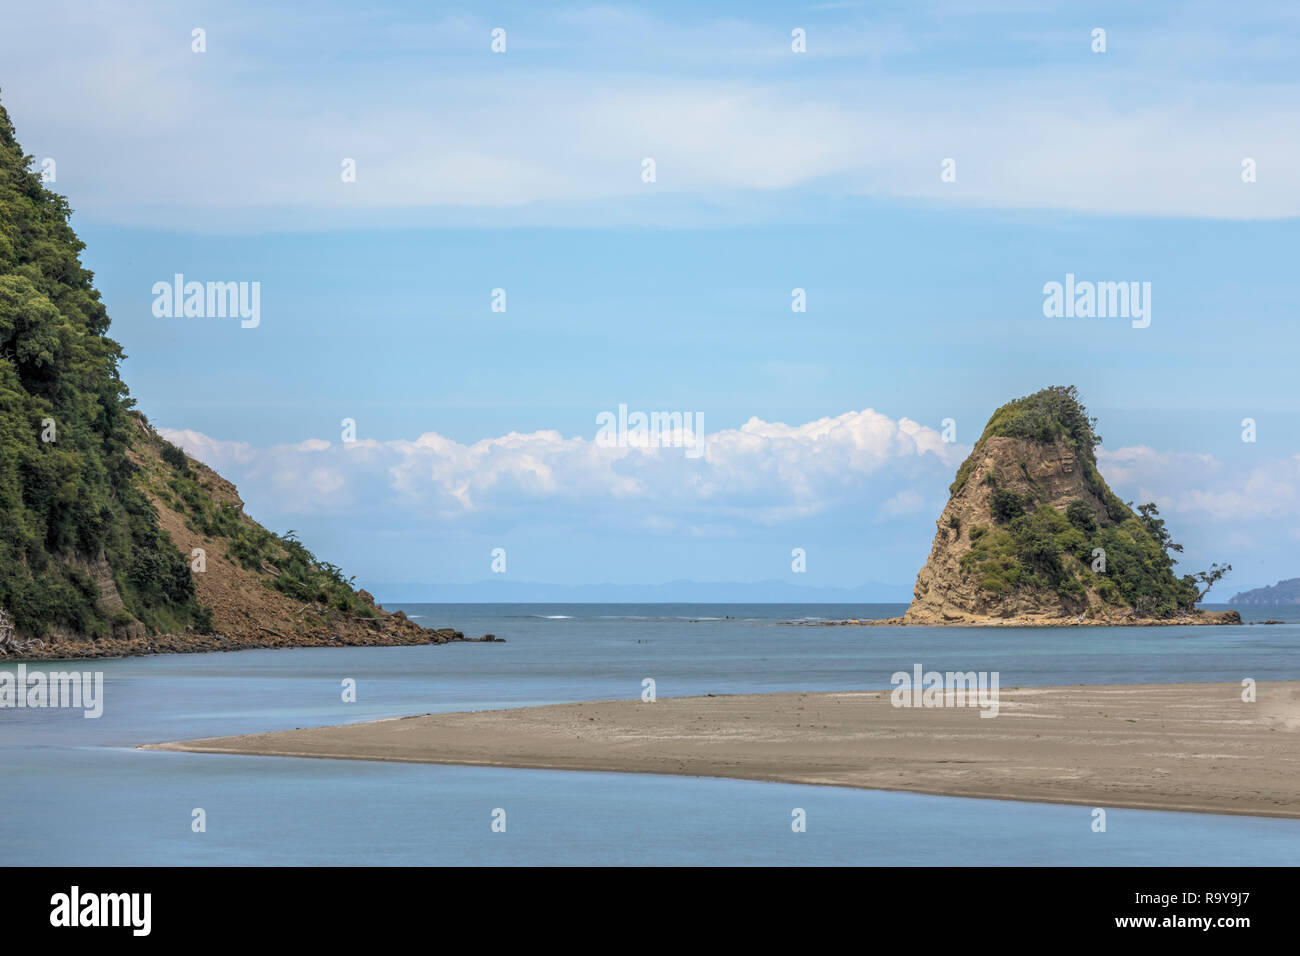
68	497
1155	526
1208	578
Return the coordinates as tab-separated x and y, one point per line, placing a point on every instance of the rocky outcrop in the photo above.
1031	534
944	592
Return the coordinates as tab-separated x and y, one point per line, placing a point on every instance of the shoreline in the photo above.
1178	747
123	648
377	632
1198	618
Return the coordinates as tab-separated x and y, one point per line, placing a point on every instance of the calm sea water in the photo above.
77	792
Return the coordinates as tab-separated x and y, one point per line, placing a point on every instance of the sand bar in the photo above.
1192	747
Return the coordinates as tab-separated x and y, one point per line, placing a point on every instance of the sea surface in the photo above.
76	791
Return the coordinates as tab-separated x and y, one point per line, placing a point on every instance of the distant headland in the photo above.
1282	593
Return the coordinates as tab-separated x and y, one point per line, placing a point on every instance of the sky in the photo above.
921	171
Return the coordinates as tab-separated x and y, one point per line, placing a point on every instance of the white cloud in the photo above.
206	449
829	483
765	472
762	472
226	142
1201	484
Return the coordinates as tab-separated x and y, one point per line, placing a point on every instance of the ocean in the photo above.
77	792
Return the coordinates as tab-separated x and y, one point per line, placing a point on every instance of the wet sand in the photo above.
1191	747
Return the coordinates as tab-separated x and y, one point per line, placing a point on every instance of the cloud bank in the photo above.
765	473
861	490
760	473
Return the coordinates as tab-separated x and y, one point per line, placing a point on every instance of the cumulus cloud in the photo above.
858	480
762	472
861	463
1201	484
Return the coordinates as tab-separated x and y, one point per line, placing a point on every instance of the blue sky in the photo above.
775	170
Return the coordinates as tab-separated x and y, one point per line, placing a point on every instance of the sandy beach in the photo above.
1189	747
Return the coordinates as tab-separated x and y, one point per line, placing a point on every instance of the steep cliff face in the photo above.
947	588
1032	534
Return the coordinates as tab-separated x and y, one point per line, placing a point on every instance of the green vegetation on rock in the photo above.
1051	415
1032	545
286	563
66	491
1046	549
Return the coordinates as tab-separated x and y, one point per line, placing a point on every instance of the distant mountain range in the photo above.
1284	592
671	592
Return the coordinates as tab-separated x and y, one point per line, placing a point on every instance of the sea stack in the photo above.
1032	534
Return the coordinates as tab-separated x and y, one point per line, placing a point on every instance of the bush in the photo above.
1045	549
174	457
1052	414
1080	515
1005	505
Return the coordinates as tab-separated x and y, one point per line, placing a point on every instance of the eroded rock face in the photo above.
1041	473
110	599
944	593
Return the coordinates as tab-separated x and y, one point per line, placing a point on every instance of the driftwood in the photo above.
9	642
